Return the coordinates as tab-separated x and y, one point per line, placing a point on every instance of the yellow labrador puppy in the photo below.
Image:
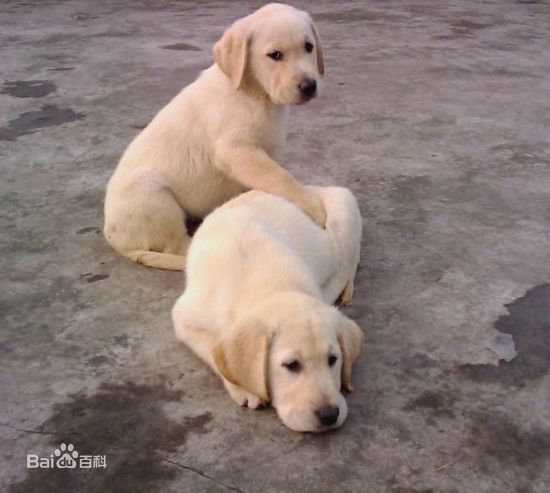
218	137
261	279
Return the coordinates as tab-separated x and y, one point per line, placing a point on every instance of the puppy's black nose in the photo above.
308	87
328	415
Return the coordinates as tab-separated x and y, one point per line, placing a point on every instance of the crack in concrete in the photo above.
39	432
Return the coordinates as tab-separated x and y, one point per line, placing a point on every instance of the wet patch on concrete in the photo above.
449	71
407	194
506	72
90	277
4	348
122	341
89	229
82	16
126	423
418	364
59	289
98	360
432	275
515	154
436	402
181	47
463	28
28	88
88	199
19	241
31	121
468	25
528	321
357	15
400	489
502	444
59	69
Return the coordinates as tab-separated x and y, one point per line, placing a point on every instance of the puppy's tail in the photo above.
158	260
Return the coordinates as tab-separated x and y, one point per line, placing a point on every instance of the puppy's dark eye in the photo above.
308	47
275	55
293	366
332	360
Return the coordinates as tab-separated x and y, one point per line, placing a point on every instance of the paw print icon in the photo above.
67	456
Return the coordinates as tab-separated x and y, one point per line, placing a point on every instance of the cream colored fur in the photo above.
261	279
220	136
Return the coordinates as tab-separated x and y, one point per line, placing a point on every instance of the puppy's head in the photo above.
298	353
276	49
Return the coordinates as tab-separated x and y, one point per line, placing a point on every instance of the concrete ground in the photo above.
436	115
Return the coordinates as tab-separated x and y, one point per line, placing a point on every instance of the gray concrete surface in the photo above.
436	114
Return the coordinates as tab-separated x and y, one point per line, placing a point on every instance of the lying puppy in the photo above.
217	138
261	278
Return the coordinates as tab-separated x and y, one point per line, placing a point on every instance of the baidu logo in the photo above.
66	457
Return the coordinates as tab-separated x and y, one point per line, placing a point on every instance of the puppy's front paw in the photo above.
242	397
313	207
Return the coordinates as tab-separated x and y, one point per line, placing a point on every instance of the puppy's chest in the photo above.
270	131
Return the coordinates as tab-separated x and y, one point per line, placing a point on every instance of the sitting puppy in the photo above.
217	138
261	278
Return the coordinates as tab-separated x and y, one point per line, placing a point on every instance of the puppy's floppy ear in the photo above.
350	338
319	48
231	52
242	358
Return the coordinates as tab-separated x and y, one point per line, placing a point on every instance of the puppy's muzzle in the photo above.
308	88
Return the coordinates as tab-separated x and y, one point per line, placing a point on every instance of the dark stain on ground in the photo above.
469	25
181	47
88	198
400	489
408	213
357	15
60	69
57	290
503	445
528	321
463	29
98	360
126	423
122	340
94	277
4	348
418	365
438	403
82	16
89	229
28	88
47	116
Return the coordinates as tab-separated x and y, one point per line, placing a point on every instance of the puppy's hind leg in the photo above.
347	294
344	228
144	222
